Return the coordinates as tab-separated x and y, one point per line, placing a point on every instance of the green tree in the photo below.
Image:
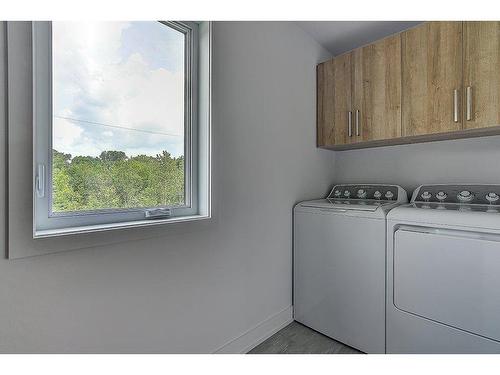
114	180
65	198
112	156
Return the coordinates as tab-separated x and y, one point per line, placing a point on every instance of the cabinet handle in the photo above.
349	123
455	105
357	122
468	93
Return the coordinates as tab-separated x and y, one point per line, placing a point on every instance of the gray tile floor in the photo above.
296	338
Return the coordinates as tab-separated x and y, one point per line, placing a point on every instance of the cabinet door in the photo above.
343	99
324	103
377	90
334	101
432	78
481	74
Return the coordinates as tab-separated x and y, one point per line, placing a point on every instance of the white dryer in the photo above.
443	279
339	263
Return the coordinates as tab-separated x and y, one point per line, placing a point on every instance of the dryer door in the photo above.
451	277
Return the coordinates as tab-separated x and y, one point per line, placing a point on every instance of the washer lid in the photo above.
346	204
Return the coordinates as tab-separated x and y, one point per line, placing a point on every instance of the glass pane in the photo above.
118	115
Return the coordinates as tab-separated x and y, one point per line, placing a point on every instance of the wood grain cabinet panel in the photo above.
334	101
481	74
377	90
343	99
324	104
431	72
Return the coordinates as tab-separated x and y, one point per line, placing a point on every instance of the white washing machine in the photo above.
339	263
443	279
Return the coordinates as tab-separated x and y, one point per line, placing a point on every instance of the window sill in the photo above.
49	233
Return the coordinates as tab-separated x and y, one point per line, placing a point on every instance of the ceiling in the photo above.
343	36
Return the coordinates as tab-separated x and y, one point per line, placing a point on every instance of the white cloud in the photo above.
66	133
94	82
147	99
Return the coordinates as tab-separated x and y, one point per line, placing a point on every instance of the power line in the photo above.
117	126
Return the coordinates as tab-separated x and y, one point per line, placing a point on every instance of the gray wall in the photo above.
194	291
466	160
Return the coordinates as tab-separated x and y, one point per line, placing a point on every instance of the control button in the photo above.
426	195
337	193
441	196
347	193
377	195
389	195
361	193
465	196
492	197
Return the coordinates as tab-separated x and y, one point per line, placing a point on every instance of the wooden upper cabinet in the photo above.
431	72
481	74
439	80
377	90
333	101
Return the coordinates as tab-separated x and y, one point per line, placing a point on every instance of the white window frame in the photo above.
196	134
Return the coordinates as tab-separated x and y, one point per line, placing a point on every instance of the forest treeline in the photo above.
114	180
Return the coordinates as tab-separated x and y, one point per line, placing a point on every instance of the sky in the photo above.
117	86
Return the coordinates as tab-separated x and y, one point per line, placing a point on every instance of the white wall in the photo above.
192	292
472	160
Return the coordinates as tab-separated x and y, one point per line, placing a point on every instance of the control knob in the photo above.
377	195
361	193
465	196
347	193
389	195
441	196
426	195
492	197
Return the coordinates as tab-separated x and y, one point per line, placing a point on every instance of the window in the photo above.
121	129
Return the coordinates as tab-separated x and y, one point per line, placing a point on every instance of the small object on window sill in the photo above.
158	213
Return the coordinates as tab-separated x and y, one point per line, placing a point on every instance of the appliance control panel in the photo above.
458	194
367	192
458	207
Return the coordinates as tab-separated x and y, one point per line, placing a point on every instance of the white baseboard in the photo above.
254	336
